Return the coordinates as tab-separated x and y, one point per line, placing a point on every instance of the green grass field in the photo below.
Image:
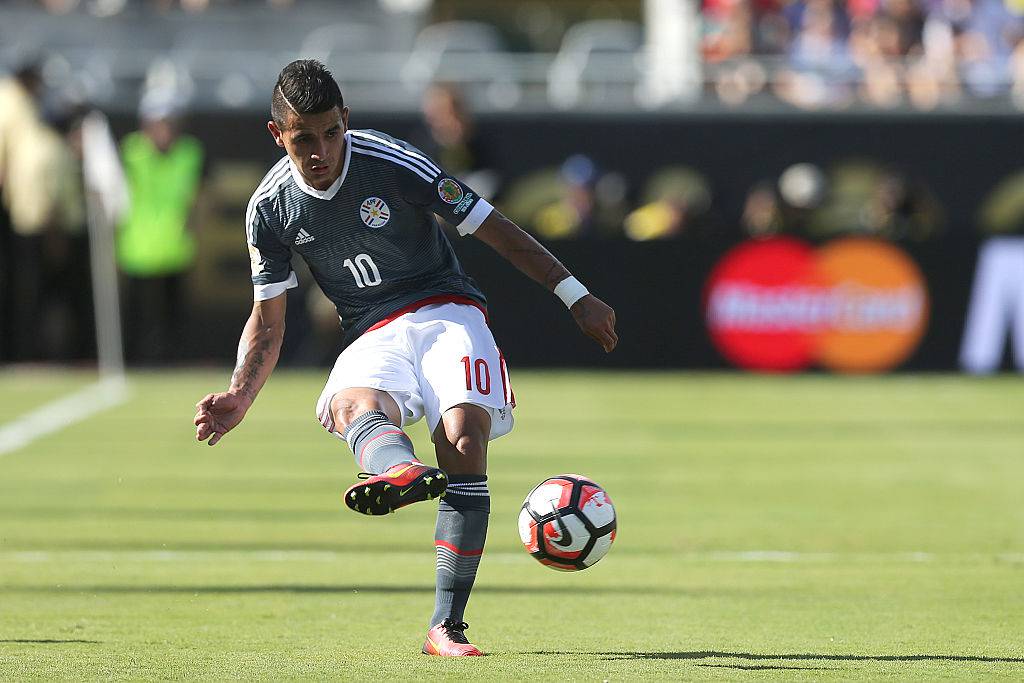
797	528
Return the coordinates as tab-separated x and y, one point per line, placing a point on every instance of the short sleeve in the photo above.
272	272
424	183
454	201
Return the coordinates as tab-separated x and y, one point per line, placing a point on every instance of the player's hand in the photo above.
597	320
218	414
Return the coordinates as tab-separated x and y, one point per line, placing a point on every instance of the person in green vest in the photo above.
155	246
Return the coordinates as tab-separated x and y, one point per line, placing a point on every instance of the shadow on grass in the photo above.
47	641
711	654
327	588
768	667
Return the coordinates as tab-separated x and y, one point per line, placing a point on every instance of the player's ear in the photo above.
276	132
344	118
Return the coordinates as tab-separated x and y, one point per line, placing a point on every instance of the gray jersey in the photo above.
371	239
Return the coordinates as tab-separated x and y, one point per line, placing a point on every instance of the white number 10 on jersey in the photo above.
364	270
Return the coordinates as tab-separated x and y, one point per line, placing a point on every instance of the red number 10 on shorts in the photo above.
477	370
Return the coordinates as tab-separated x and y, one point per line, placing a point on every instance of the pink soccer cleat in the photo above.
448	639
396	487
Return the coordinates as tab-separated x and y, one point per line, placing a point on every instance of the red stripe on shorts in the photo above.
504	378
417	305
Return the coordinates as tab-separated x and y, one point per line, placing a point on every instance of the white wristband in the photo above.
570	290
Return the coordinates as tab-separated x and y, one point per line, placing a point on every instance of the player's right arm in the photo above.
260	344
258	351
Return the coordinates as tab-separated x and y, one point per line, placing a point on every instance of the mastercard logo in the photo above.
852	305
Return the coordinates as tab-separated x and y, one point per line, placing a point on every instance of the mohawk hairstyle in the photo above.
304	87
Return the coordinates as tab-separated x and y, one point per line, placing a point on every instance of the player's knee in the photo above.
348	404
463	453
461	440
345	409
470	446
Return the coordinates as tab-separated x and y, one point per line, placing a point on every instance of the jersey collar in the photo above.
335	186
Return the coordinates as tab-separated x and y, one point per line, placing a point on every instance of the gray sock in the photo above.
377	443
459	539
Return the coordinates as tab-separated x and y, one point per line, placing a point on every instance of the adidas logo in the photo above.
303	237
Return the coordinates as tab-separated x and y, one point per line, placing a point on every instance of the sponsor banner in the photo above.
995	316
852	305
791	311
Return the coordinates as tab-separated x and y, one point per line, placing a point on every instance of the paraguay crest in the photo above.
374	212
450	191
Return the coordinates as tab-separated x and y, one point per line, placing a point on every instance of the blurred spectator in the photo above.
676	201
112	7
821	70
450	138
984	34
187	5
871	198
1017	75
854	197
1002	210
42	199
876	46
736	28
735	32
882	53
155	247
73	323
803	186
59	6
19	110
787	205
728	30
762	215
592	203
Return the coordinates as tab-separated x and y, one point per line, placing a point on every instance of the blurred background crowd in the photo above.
811	54
538	104
884	53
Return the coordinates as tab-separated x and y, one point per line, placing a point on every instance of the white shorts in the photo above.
429	360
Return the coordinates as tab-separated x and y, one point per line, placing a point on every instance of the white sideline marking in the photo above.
64	412
751	556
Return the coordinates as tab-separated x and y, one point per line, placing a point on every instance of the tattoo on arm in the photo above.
555	272
533	251
526	253
249	367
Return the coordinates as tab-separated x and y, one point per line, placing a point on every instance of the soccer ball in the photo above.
567	522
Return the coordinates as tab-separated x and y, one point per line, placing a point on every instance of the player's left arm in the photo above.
470	214
594	317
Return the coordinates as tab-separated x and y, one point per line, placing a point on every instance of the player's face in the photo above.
315	143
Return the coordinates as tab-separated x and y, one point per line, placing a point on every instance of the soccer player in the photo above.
358	206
